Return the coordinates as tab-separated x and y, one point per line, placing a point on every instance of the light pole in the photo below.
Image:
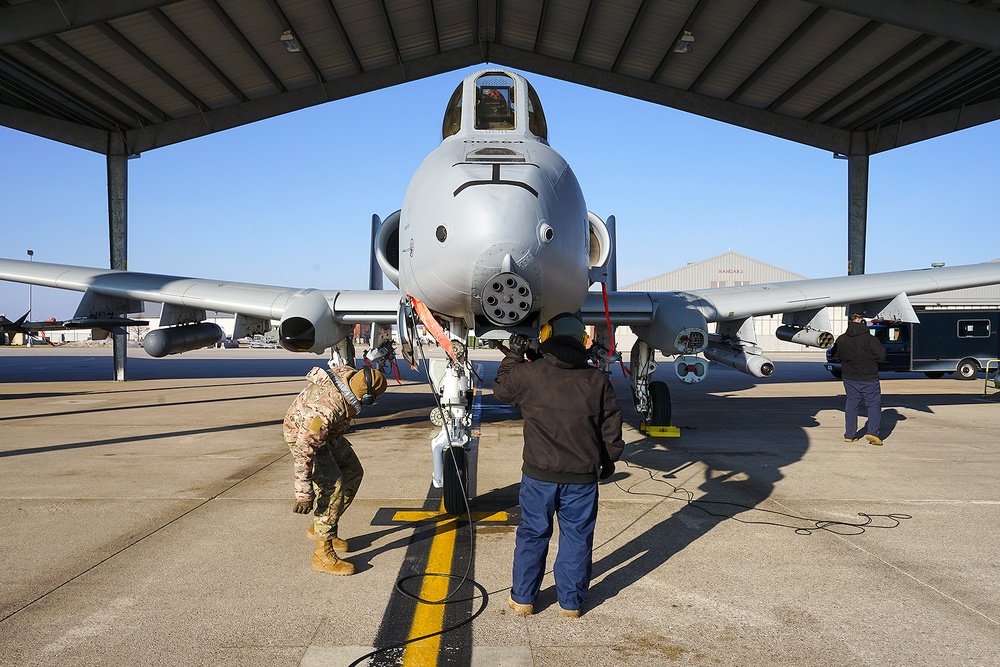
31	258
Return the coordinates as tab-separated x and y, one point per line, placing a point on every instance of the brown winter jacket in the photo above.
572	422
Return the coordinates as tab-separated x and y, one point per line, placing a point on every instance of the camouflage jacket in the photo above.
320	414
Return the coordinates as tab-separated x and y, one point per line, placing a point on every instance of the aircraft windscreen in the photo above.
536	117
453	114
495	102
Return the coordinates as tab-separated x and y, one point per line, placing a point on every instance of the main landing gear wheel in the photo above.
659	404
456	480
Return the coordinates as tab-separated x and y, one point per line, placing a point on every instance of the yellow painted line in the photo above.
429	618
423	515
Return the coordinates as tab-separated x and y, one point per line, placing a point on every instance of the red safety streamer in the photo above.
432	325
611	332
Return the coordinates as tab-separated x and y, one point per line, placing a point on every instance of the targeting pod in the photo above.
756	365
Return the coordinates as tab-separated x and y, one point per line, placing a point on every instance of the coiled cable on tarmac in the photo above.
829	525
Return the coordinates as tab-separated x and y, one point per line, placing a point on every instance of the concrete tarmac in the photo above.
149	523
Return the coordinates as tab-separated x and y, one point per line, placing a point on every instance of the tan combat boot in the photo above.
325	560
340	545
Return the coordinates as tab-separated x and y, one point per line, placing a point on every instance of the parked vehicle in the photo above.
945	341
259	341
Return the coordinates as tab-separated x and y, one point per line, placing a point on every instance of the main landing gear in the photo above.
651	399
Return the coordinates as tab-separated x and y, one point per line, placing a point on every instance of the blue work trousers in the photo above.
857	391
575	506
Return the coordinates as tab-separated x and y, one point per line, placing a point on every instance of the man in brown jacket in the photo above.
572	437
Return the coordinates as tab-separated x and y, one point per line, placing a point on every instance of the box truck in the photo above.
945	341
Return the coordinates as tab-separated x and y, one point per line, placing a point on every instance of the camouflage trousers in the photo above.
336	477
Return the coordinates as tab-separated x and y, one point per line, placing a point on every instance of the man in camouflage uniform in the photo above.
326	467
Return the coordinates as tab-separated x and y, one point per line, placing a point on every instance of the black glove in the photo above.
607	469
303	506
518	344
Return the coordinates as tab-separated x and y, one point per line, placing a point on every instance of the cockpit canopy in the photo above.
496	98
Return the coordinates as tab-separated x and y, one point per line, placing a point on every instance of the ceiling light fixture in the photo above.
290	43
685	44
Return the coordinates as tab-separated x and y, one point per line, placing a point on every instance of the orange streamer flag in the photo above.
432	326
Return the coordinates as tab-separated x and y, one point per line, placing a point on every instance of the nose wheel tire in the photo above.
456	480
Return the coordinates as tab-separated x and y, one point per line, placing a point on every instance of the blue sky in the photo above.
288	201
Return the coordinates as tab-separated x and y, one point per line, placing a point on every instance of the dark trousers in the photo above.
857	391
575	506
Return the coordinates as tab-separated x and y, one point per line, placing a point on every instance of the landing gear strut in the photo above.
451	380
651	399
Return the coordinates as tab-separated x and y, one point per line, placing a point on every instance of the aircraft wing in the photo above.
108	291
734	303
722	304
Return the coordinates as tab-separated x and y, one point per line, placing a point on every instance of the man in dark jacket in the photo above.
572	437
859	354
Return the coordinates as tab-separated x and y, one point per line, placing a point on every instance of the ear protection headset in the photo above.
546	331
368	398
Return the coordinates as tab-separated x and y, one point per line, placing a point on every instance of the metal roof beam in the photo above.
969	87
387	22
342	31
542	15
901	56
632	31
152	112
123	43
31	20
748	21
182	129
857	38
197	53
63	131
49	95
759	120
885	114
286	24
109	101
434	25
959	22
780	52
886	138
687	27
245	44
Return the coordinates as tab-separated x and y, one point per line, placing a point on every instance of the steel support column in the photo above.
857	212
118	230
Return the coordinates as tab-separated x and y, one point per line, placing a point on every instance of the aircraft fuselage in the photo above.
494	224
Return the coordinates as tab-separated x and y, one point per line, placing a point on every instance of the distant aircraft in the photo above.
494	238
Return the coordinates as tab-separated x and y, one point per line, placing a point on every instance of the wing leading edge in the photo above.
127	289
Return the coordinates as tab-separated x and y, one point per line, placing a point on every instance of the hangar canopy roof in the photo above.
852	76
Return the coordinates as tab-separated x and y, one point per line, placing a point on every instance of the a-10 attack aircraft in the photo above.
494	238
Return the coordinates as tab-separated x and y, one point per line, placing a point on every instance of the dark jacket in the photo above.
859	353
572	423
